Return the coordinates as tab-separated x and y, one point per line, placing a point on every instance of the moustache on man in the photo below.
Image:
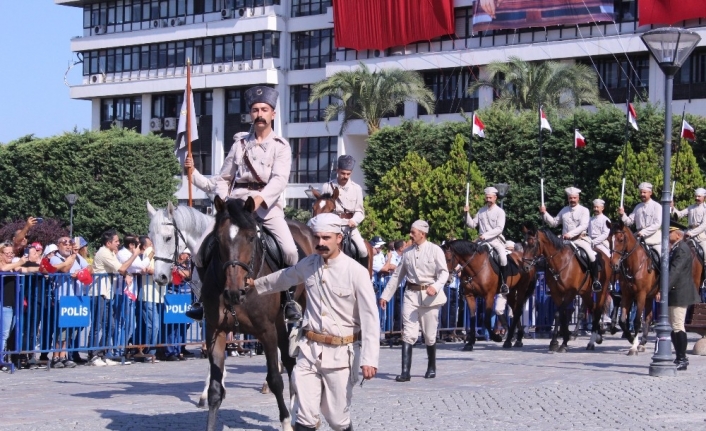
322	248
260	120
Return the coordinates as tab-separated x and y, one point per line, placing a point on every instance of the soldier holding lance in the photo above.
647	217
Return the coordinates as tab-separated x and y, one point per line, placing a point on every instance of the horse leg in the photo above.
565	332
489	309
637	323
516	325
624	314
554	344
649	313
274	376
471	333
614	315
216	358
596	329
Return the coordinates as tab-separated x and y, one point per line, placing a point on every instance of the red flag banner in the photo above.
511	14
579	140
381	24
544	123
687	131
669	11
478	126
632	116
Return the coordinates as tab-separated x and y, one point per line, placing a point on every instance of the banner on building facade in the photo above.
514	14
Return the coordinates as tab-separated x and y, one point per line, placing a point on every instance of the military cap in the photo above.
491	191
600	202
572	191
346	162
700	191
645	186
261	94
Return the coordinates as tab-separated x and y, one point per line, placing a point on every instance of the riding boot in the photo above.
195	312
675	343
504	289
596	286
684	362
300	427
292	311
406	363
431	364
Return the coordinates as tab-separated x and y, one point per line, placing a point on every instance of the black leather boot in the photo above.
195	312
431	367
596	286
504	289
675	343
683	361
300	427
406	363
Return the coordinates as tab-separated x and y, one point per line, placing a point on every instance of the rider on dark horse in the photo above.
257	166
490	221
574	219
349	204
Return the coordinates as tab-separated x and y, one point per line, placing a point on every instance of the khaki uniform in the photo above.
325	374
350	202
697	223
598	232
490	223
647	217
423	265
574	223
272	161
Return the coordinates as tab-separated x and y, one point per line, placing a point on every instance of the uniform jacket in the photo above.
697	219
350	293
490	222
598	230
573	220
425	266
647	218
682	291
272	161
351	195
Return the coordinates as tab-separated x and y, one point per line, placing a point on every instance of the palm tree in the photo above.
370	96
523	84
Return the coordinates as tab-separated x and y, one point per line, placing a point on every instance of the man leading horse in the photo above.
257	166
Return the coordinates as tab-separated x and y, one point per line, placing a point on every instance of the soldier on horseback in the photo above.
490	221
257	166
349	205
598	229
647	217
697	218
574	219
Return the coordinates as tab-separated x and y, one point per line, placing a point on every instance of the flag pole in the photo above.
188	126
625	146
468	173
541	159
677	149
573	165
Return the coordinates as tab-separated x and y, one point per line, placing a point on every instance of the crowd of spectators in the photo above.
126	307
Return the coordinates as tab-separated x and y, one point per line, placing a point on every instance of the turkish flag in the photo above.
687	131
579	140
478	126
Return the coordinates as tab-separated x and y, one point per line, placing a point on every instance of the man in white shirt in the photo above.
647	218
696	214
378	256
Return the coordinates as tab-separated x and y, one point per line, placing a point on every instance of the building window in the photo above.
309	7
124	112
690	81
614	75
237	116
464	22
312	49
450	88
313	159
300	110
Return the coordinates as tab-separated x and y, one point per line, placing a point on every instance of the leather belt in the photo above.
331	340
346	216
415	287
250	186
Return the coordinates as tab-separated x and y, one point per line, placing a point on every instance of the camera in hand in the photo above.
39	220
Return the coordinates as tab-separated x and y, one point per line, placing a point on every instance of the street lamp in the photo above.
71	198
670	47
309	192
502	192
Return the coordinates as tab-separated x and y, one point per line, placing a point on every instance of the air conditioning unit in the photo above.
96	79
243	66
156	125
176	21
226	13
220	68
245	118
157	23
378	53
244	12
398	50
170	123
99	29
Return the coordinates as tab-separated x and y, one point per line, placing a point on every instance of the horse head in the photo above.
166	241
325	202
621	240
531	246
236	234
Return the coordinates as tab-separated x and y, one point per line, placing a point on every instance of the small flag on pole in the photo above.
687	132
579	140
478	126
181	129
632	116
544	122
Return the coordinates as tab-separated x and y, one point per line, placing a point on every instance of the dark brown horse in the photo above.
566	278
639	282
239	254
479	280
326	203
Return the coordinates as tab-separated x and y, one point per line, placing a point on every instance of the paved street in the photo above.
490	388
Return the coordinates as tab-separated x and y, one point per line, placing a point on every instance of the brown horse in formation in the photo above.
639	282
471	261
566	279
326	203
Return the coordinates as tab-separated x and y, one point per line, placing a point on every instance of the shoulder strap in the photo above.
248	164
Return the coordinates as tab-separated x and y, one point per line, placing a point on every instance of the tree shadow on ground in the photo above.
230	418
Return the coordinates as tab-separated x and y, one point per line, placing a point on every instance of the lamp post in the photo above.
670	47
71	198
502	192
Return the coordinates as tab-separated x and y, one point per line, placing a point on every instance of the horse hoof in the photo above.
599	339
562	349
496	337
519	344
632	352
202	403
591	346
641	348
554	347
507	344
265	389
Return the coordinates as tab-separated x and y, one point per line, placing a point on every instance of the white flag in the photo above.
181	129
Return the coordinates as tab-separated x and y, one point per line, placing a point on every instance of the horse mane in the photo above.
237	214
191	219
463	247
325	196
555	240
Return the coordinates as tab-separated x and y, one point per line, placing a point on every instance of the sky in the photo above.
36	36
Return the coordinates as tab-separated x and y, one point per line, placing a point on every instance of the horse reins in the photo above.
174	261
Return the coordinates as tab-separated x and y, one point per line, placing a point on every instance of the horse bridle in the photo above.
624	255
174	261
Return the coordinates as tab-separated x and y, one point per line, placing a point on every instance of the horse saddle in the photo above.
697	248
581	255
654	257
512	267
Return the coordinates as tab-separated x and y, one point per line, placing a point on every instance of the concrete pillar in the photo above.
96	114
219	120
146	113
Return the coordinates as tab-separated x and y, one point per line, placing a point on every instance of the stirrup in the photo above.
596	286
504	289
292	312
